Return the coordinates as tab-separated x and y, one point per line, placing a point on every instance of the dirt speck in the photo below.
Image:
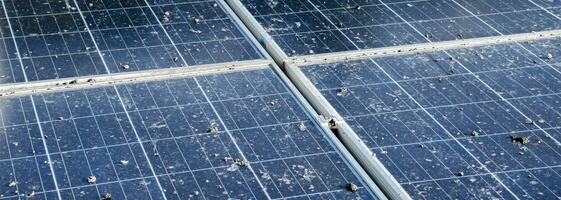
285	179
520	139
12	184
107	196
213	128
460	174
549	56
302	127
343	91
195	31
92	179
124	162
265	175
474	133
352	187
31	194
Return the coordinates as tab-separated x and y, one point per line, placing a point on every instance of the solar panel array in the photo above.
479	122
215	136
307	27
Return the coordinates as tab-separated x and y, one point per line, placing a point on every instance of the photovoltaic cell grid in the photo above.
166	139
307	27
65	38
454	124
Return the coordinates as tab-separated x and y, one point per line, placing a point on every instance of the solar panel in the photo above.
465	123
315	27
61	39
212	136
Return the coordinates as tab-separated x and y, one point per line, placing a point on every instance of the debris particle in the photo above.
529	121
302	127
549	56
274	102
155	152
197	21
196	193
91	4
285	179
236	164
73	82
91	80
265	175
215	5
358	7
460	174
124	162
541	121
60	118
195	31
167	14
352	187
343	91
311	188
92	179
212	129
107	196
31	195
175	59
475	133
12	184
241	162
125	66
521	140
332	123
382	151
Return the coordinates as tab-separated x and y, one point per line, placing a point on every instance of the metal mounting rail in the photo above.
272	51
385	185
424	47
27	88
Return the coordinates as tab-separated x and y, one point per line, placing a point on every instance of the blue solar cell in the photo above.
153	140
453	122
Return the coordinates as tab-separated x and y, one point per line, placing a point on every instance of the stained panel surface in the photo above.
214	136
307	27
61	39
479	122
